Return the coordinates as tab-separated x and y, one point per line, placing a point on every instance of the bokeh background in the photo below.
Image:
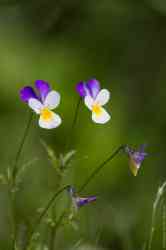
122	43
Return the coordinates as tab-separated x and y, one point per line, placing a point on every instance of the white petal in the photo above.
35	104
103	97
102	118
88	101
52	100
54	122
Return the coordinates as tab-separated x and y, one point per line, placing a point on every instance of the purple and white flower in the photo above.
136	157
78	201
42	101
95	98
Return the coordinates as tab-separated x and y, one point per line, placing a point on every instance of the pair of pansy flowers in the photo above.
42	100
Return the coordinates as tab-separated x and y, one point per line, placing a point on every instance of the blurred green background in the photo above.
122	43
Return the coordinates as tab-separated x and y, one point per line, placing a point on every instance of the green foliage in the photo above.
60	163
156	205
120	42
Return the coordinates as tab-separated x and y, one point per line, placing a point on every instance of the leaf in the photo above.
22	170
66	159
74	225
52	156
40	210
50	222
36	236
9	174
78	244
45	247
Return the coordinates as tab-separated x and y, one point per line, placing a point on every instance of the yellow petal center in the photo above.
46	114
97	109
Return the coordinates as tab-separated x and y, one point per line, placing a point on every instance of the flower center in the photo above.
97	109
46	114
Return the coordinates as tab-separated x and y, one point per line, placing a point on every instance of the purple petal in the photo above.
138	157
83	201
26	93
94	87
81	89
142	148
43	88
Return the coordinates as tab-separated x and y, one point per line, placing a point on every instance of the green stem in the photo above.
164	224
12	207
52	230
98	169
156	203
49	204
14	174
55	229
15	165
68	143
52	237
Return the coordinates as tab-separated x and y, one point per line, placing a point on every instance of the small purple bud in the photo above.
136	157
79	201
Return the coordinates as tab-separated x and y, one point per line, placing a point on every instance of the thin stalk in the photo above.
99	168
52	238
156	203
14	175
68	142
164	225
59	221
13	221
55	229
15	165
48	205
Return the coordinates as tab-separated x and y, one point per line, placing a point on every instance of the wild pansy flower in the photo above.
42	101
78	201
95	98
136	157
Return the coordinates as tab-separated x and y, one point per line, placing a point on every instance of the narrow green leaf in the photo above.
66	159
